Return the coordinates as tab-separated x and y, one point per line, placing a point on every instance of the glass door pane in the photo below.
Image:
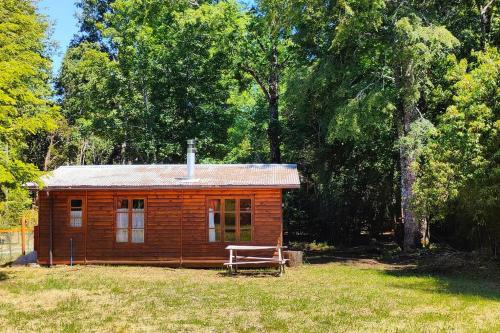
214	229
230	220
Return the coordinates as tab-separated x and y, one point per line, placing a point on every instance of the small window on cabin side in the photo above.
130	221
230	220
138	221
76	213
122	221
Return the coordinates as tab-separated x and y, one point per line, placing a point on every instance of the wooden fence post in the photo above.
23	236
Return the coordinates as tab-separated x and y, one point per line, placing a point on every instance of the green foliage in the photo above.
25	108
169	77
15	205
461	161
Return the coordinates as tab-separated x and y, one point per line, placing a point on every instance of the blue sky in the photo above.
61	14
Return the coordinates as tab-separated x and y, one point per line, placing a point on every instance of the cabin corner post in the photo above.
182	227
50	228
281	241
86	209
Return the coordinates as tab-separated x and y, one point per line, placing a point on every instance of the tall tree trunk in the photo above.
274	129
425	232
408	177
485	14
48	155
406	114
273	132
83	149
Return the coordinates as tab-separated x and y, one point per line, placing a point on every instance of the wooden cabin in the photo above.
177	215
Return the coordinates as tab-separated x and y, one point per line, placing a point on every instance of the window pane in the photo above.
213	219
76	214
229	226
230	205
214	234
123	204
214	204
138	204
121	235
218	232
245	234
245	219
76	218
137	220
230	220
213	225
137	235
245	205
229	235
76	203
122	219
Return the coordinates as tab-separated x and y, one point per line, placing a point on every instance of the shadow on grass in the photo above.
452	273
249	273
3	276
355	256
479	284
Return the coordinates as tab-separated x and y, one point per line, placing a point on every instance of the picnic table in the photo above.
236	260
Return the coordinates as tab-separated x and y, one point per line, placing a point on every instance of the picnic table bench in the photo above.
236	260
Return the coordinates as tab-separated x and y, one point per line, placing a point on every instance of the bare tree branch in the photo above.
257	79
485	7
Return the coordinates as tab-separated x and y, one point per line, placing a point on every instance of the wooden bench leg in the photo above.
235	260
280	258
230	266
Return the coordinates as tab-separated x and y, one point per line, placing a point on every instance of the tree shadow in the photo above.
475	283
453	273
3	276
355	256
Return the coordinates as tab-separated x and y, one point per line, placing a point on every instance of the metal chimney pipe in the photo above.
191	158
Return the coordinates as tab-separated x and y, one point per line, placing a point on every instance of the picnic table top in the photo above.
253	247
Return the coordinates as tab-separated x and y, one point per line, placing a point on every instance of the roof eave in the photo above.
173	187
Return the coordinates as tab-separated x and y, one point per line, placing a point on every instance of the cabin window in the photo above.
138	221
214	230
230	219
76	213
130	220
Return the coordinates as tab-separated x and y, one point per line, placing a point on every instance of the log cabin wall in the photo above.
176	228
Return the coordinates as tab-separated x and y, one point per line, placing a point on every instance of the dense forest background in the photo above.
390	108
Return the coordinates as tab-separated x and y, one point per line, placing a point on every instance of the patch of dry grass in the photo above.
314	298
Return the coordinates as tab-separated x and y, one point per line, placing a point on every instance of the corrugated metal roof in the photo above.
173	176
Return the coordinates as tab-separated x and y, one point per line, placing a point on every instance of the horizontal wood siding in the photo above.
64	237
43	227
170	216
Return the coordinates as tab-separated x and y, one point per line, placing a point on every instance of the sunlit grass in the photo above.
312	298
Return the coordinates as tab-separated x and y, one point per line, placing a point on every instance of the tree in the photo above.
91	83
169	78
459	171
266	55
338	122
92	21
25	106
24	87
416	47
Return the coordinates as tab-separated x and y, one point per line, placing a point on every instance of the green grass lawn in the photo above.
332	297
